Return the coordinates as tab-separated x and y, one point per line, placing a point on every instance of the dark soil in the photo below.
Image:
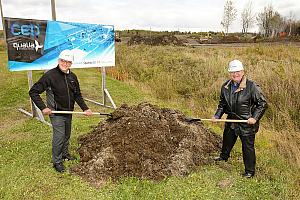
155	40
197	40
147	142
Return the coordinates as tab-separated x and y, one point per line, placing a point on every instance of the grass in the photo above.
25	144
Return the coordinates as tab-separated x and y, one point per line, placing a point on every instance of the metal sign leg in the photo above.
105	94
35	111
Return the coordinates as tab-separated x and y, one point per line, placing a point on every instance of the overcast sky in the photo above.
182	15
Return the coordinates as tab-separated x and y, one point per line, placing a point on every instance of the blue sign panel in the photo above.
36	44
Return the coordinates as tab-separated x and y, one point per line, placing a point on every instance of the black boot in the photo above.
59	167
217	159
69	157
248	175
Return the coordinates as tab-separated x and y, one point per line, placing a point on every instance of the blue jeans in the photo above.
61	135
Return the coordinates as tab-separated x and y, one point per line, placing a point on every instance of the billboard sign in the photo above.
36	44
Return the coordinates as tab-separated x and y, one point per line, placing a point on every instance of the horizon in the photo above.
168	15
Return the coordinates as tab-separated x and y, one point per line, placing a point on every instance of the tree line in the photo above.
270	22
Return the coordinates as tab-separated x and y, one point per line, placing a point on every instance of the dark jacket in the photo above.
62	91
246	102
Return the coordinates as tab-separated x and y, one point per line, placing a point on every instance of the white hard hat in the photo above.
235	66
66	55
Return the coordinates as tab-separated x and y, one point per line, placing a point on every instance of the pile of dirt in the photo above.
144	141
230	39
155	40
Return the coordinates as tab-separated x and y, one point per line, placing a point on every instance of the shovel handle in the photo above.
74	112
226	120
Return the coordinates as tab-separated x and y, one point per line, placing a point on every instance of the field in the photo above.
183	78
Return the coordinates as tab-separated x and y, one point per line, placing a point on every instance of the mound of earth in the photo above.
155	40
144	141
230	39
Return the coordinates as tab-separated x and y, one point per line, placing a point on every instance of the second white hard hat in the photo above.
235	66
67	55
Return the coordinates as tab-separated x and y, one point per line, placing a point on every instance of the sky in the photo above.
157	15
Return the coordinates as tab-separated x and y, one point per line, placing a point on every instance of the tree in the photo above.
277	24
263	20
247	17
291	21
269	20
297	27
229	15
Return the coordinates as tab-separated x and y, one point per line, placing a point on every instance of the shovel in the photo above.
73	112
216	120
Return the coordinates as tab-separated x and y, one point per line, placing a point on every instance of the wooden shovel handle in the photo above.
226	120
74	112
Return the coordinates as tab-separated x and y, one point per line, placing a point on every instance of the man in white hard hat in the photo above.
240	98
62	91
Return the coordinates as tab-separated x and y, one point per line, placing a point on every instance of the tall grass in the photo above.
194	76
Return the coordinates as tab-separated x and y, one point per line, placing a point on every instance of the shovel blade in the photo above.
189	119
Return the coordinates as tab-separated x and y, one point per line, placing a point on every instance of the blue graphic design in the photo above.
92	45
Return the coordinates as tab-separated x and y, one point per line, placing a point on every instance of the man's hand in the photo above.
88	112
213	119
251	121
47	111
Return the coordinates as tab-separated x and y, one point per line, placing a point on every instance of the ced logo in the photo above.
25	29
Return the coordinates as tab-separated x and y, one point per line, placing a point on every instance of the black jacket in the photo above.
62	91
246	102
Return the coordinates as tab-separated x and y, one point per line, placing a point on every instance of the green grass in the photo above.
25	153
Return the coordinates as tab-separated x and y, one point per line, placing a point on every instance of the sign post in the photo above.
105	93
2	18
53	10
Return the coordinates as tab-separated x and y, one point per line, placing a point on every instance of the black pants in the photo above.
229	138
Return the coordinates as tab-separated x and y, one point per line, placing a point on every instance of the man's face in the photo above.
64	65
237	76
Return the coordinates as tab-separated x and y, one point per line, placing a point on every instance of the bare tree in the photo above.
247	17
229	15
271	22
297	28
277	23
291	21
263	20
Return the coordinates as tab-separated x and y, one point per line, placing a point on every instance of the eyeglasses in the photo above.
236	72
66	61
